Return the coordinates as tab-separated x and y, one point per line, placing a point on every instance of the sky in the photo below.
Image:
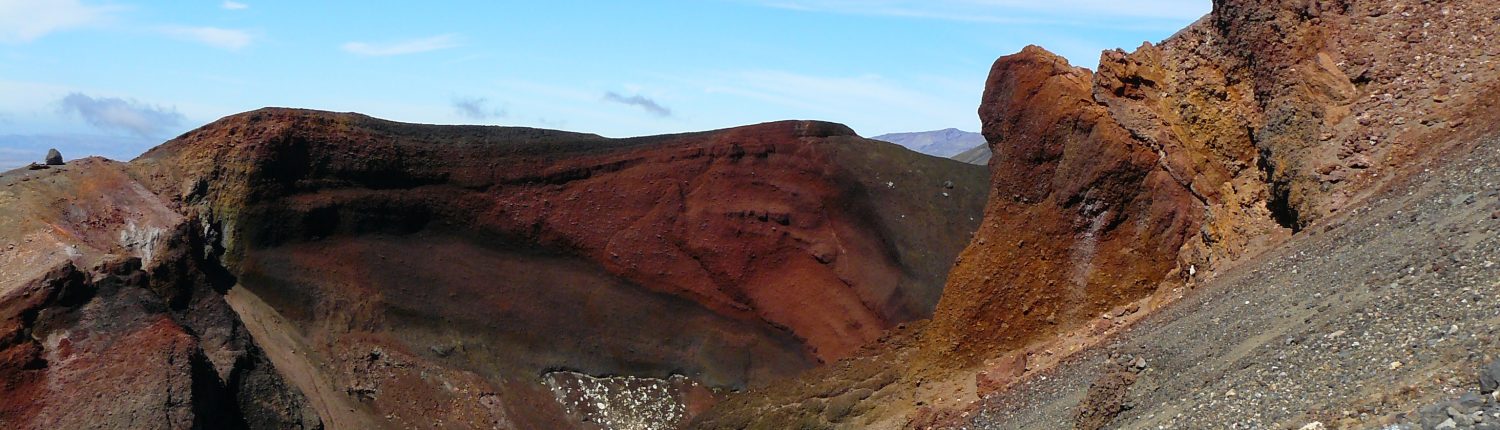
116	77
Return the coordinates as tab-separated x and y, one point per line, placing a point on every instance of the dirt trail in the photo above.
288	351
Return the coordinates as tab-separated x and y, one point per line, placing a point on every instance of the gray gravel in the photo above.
1364	321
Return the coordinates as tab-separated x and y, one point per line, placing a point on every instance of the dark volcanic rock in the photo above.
1489	377
54	158
1107	396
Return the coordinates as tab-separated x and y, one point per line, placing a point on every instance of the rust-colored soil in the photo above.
403	275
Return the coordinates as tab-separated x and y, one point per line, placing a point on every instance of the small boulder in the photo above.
999	373
54	158
1489	377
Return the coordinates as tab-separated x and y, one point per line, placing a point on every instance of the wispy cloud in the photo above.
119	114
24	21
1055	12
233	5
476	108
411	46
222	38
643	102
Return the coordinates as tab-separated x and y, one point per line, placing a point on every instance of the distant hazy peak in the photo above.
947	142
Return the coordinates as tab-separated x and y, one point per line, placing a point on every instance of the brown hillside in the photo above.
401	274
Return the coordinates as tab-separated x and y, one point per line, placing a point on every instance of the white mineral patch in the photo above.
1086	247
140	241
619	402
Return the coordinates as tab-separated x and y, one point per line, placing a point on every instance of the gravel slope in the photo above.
1355	323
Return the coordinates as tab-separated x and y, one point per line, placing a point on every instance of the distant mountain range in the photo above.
977	155
949	143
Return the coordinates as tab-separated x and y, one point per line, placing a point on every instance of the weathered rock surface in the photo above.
402	275
1180	158
1364	321
1081	216
1489	377
1147	180
142	339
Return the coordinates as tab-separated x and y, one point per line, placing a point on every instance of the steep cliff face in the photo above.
501	258
110	318
1078	204
1176	159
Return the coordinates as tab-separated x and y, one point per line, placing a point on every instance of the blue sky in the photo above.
116	77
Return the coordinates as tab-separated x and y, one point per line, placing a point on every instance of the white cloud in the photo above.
234	5
1107	13
223	38
111	113
27	20
411	46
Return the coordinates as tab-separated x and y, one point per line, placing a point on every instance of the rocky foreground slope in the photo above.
288	268
1382	317
1115	191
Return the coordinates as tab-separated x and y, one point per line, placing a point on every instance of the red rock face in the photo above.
1082	215
79	353
138	339
492	255
1174	160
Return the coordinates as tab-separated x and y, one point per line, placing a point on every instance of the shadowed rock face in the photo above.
402	273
